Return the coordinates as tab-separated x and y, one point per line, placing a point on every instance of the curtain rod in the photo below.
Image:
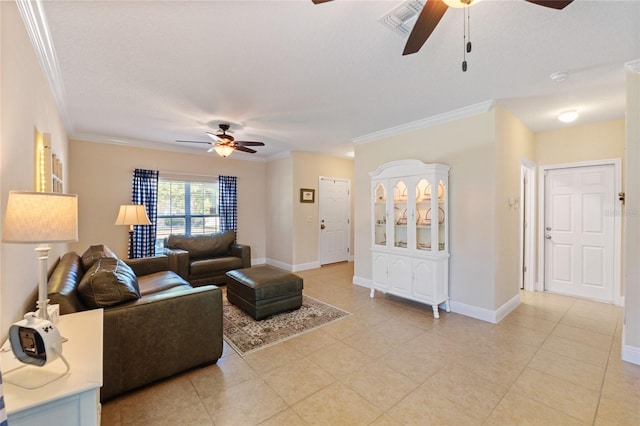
169	172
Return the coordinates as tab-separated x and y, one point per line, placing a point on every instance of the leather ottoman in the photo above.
264	290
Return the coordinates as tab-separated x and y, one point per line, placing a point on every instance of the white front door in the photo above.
334	220
579	231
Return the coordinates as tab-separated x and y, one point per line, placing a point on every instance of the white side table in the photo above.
71	400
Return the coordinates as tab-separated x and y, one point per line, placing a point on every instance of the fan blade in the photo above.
249	150
553	4
208	143
215	137
320	1
246	143
425	24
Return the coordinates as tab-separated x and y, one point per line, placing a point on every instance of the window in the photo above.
187	207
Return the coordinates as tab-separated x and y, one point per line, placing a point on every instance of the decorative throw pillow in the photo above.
108	282
93	253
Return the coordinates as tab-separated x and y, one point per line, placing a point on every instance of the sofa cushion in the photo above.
63	283
93	253
108	282
203	246
219	265
160	282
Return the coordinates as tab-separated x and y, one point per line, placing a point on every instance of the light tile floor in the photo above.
554	360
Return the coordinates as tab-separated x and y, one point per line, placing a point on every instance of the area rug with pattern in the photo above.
246	335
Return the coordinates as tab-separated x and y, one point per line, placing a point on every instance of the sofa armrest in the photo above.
148	265
158	336
242	251
178	261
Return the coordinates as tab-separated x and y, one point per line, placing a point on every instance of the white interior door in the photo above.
579	231
334	220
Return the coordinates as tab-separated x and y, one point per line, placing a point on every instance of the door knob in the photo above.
548	228
548	237
322	226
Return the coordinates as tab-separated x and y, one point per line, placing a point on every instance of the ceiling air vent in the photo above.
401	19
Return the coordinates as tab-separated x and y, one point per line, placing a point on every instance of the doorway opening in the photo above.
527	225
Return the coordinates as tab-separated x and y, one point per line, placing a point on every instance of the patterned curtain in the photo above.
3	410
145	191
228	203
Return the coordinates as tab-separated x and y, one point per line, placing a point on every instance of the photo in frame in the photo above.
307	195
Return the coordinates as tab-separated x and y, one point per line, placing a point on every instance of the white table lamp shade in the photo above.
132	214
40	217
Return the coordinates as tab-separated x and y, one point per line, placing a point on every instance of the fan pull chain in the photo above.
466	28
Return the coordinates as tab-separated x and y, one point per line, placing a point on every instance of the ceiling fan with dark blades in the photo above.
434	10
224	144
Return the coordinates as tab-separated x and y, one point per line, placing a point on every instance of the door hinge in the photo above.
524	268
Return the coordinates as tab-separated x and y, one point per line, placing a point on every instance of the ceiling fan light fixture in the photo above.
460	3
223	150
568	116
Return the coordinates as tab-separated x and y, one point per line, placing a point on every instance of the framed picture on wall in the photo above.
307	195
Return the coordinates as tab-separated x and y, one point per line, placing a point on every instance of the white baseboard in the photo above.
486	314
363	282
506	309
258	261
278	264
305	266
631	354
473	311
292	268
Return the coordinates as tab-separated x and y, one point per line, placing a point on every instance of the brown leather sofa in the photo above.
205	259
171	327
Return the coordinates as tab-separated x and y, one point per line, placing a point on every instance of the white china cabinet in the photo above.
410	231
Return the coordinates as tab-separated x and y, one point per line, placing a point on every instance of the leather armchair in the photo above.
205	259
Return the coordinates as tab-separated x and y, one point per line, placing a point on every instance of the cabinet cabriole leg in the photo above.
436	314
372	293
447	306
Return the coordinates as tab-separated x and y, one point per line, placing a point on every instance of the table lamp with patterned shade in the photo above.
41	218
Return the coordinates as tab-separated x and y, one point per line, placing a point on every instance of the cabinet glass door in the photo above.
441	217
423	209
380	215
400	214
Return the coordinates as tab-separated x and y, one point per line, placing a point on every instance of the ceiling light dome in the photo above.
568	116
460	3
223	150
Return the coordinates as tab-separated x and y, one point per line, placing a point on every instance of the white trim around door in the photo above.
617	227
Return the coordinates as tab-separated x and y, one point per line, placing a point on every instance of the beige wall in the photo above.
597	141
292	242
280	212
307	169
631	272
27	104
514	142
468	146
101	175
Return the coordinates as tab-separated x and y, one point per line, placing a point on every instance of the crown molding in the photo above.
424	123
35	23
633	66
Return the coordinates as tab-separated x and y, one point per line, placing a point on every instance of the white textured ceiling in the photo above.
307	77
